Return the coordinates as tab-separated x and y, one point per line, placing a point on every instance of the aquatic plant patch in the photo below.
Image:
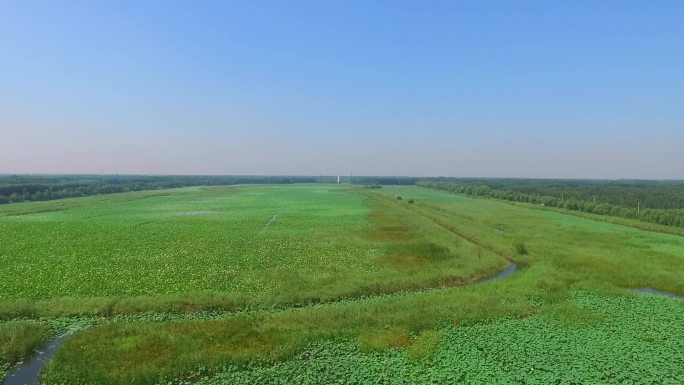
633	340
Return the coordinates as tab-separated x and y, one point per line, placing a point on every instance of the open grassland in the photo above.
345	285
222	248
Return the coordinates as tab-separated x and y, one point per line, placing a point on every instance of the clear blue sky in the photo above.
579	89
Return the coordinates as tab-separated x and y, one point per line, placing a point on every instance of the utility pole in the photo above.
638	207
594	199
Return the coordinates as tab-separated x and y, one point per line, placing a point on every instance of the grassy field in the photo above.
224	248
311	283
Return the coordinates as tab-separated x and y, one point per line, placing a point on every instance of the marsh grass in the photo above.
18	340
384	339
424	344
633	344
176	348
441	240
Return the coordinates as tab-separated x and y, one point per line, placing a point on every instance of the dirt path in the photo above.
270	221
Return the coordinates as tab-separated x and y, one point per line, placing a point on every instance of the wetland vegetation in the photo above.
347	284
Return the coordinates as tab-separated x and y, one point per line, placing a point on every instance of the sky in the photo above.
548	89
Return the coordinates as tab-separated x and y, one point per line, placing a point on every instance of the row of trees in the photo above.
671	217
654	194
18	188
58	192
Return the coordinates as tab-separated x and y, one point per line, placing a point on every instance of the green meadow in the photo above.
226	248
315	283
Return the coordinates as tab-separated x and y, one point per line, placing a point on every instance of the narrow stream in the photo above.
502	274
28	373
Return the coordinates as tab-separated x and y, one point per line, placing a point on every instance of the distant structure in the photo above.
338	179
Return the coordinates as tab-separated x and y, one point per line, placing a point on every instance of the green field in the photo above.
222	248
336	284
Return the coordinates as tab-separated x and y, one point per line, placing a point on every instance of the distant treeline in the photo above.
625	193
625	199
384	180
20	188
652	201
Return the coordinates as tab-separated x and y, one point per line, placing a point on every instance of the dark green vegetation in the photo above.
649	201
18	339
624	193
348	284
21	188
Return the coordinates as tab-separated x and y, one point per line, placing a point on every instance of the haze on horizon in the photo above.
580	89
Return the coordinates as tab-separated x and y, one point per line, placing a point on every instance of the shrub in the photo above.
521	249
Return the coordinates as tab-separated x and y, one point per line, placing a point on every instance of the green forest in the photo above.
20	188
659	202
